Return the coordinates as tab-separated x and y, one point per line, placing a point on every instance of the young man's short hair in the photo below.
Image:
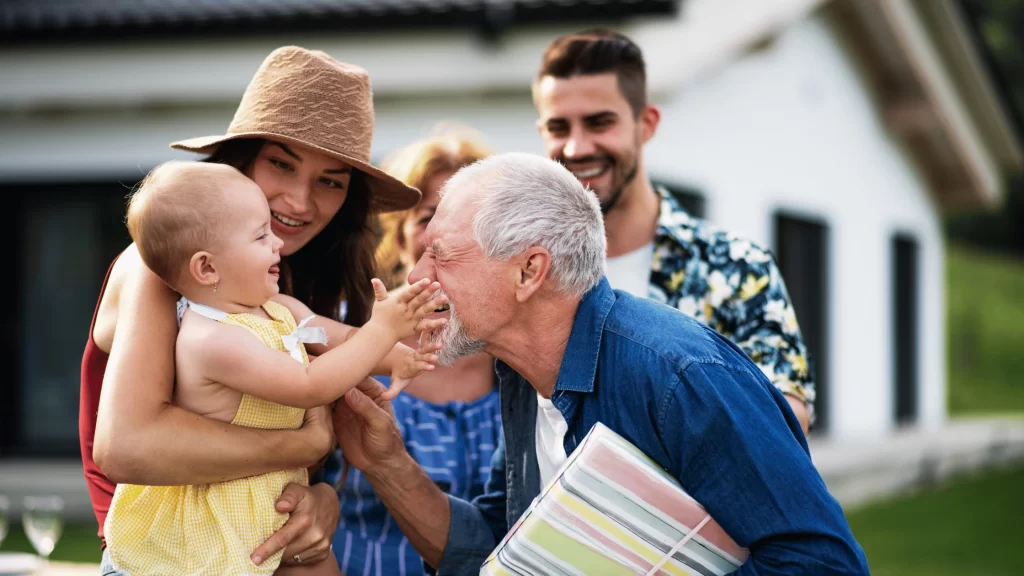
599	51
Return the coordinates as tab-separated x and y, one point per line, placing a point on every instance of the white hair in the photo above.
527	200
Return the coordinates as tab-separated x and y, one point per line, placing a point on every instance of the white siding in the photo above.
793	127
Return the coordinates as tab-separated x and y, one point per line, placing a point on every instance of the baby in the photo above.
240	357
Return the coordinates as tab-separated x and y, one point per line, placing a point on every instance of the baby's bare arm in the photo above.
235	358
193	391
338	333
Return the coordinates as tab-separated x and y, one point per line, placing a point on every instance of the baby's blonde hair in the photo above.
175	212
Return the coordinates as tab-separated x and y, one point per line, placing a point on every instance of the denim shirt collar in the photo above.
579	364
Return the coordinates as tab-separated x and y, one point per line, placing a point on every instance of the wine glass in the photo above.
43	522
5	505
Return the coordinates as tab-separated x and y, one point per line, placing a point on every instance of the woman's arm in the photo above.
142	439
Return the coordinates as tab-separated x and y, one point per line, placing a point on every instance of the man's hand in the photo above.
365	427
310	527
801	413
371	441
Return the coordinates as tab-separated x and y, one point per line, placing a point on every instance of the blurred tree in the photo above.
1001	230
1000	32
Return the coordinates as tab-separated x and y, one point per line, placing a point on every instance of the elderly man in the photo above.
517	245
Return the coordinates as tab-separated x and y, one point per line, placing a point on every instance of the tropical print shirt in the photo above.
735	287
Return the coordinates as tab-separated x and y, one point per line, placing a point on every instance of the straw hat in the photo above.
306	97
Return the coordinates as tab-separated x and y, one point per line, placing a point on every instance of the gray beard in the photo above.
455	342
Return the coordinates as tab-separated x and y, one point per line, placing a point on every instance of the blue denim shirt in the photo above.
692	401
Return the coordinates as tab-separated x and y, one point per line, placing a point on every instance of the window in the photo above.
905	290
802	253
63	239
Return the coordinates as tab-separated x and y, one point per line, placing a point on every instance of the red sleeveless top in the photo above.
94	364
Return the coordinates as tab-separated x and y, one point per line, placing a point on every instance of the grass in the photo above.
985	315
968	528
78	543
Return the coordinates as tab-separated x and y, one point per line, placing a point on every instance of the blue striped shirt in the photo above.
453	442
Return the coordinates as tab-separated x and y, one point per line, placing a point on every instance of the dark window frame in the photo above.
905	282
810	294
691	198
23	198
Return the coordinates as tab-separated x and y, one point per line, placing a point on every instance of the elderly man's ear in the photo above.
531	272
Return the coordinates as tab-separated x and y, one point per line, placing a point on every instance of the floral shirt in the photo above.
735	287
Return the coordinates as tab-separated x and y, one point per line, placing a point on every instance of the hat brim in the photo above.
387	194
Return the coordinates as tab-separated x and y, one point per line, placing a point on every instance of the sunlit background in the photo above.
873	145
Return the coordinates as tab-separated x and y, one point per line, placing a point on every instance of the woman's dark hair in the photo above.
338	263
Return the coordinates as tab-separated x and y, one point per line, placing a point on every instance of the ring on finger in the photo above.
297	558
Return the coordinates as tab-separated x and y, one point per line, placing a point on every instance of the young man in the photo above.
591	96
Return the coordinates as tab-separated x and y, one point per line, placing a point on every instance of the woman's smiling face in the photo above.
305	189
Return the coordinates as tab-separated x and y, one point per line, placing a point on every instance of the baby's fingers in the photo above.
379	291
426	324
427	348
396	387
425	365
418	357
413	290
426	344
429	307
422	300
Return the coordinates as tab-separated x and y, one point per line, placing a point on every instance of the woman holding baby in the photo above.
321	193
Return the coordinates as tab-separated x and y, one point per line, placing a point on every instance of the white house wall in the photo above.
792	127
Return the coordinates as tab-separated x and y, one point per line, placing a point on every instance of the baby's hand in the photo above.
411	366
405	312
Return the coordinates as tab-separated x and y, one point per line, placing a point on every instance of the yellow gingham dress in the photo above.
210	529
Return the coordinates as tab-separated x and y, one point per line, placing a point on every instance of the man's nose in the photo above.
577	146
422	269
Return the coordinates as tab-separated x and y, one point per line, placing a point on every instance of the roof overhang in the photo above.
56	22
935	94
918	56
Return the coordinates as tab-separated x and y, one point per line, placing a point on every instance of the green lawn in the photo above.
78	544
968	528
985	316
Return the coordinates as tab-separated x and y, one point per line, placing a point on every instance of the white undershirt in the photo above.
551	429
632	272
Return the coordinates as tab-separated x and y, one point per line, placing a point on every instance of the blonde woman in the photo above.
450	418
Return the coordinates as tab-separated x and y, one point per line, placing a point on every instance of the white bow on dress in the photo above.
304	334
